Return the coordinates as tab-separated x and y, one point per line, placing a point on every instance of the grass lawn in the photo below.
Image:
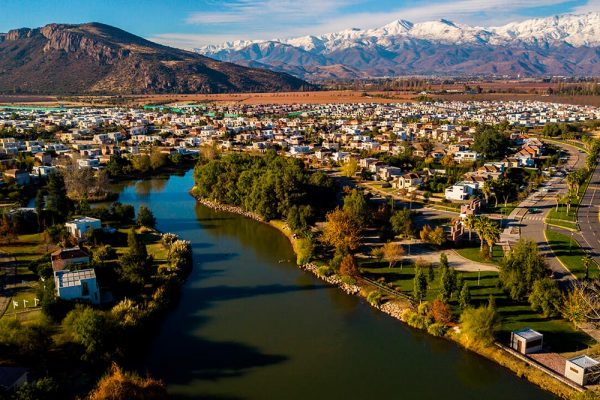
570	254
473	254
26	291
560	335
28	247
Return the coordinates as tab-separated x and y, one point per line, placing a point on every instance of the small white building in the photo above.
582	370
526	341
78	227
461	190
77	285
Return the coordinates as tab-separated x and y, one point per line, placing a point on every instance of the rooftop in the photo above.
73	278
528	334
584	362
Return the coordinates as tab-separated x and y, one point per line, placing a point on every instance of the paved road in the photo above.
587	216
532	226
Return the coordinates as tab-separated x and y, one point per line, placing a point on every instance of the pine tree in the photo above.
465	297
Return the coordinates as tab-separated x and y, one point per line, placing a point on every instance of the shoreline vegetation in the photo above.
399	307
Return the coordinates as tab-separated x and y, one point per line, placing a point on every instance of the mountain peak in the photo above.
105	59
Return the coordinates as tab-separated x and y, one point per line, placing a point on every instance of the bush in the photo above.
304	248
324	270
437	329
479	324
348	280
375	298
118	384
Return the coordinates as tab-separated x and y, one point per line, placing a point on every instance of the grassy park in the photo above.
570	254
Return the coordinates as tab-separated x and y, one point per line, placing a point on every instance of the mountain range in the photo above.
98	58
561	45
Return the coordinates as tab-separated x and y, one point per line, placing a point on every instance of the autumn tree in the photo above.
341	231
349	168
118	384
479	325
441	312
393	252
349	267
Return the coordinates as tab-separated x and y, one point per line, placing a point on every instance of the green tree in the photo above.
349	168
145	217
448	282
419	285
545	297
356	206
57	202
520	268
92	329
479	325
402	223
490	142
465	297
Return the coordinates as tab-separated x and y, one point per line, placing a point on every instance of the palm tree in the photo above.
479	226
487	191
469	223
491	234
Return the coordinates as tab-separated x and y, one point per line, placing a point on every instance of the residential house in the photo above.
77	285
80	226
62	258
410	181
461	190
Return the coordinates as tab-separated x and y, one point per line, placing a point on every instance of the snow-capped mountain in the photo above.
561	45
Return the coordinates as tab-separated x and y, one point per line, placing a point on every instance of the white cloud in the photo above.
590	6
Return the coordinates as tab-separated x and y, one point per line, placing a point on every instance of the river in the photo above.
250	325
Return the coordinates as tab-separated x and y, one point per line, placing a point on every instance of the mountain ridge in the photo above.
99	58
555	45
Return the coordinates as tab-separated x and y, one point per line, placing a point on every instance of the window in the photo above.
534	343
574	370
85	290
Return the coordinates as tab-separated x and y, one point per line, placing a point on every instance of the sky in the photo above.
192	23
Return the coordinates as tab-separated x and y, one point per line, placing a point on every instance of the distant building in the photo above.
78	227
77	285
64	257
526	341
582	370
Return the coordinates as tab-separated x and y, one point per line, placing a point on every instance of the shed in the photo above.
526	341
582	370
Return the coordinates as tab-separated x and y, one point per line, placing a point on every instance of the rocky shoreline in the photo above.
227	208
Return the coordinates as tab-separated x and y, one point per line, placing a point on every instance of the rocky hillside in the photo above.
97	58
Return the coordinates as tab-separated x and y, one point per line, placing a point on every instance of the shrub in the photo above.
348	280
437	329
325	270
375	298
304	249
479	324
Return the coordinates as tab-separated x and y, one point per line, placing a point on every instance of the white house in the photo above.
526	341
409	181
582	370
461	190
77	285
466	155
78	227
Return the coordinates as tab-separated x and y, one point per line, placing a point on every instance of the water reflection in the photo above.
250	327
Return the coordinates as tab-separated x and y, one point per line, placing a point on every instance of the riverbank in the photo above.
396	307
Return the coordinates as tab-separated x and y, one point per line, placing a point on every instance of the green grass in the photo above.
560	335
570	253
473	254
26	291
27	247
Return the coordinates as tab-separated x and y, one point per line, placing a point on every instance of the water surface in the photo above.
250	325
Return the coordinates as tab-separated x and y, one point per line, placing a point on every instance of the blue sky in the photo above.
189	23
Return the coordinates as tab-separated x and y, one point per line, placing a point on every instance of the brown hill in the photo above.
97	58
